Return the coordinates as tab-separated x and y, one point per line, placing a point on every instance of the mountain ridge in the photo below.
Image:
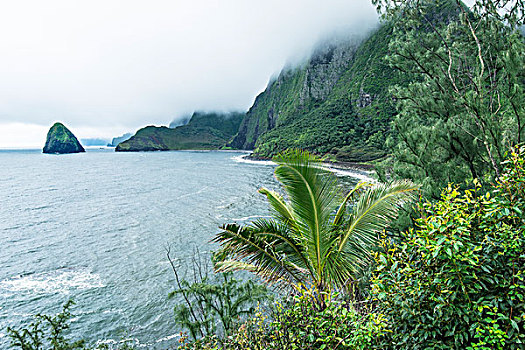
204	131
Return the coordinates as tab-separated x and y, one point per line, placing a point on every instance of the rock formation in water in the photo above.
60	140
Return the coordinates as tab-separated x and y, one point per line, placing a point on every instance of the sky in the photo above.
106	67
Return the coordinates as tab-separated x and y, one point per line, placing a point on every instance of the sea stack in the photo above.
60	140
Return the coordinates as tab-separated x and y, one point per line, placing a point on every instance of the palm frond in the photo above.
341	268
279	206
376	208
313	194
264	244
314	238
233	265
342	207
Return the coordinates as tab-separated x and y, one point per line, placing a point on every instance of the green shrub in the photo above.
299	324
50	332
212	305
456	280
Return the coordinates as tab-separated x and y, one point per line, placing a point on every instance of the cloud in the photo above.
122	64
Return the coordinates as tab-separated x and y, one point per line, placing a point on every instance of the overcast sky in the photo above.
105	67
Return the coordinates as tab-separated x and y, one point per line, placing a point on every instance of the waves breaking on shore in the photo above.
361	175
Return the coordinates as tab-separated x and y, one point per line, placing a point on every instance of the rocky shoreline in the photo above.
365	171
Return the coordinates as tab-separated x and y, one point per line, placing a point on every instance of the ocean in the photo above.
94	227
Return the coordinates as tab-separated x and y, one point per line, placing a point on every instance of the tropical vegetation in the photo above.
464	107
454	279
317	239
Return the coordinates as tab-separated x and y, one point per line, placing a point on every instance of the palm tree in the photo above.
317	239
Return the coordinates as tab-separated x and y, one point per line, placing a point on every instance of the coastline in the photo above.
363	172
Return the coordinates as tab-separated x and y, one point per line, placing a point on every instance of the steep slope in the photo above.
60	140
336	103
352	123
294	92
204	131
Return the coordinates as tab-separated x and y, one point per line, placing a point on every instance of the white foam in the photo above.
169	337
114	344
242	159
250	217
360	175
53	282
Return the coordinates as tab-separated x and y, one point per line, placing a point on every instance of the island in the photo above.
61	141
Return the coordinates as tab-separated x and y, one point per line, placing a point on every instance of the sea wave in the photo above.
360	175
357	174
246	218
52	282
242	158
115	344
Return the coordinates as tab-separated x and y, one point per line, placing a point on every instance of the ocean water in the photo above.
94	228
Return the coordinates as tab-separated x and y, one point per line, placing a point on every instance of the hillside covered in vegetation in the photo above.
205	131
336	103
441	91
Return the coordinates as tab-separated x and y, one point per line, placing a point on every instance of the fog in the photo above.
112	66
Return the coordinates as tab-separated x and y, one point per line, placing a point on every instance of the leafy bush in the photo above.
456	281
213	305
48	332
299	324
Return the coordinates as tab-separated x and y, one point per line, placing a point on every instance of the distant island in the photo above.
60	141
119	139
204	131
94	142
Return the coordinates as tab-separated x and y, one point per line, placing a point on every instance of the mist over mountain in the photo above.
121	65
94	142
180	121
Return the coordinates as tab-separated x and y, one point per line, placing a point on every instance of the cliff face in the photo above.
205	131
60	140
294	92
336	103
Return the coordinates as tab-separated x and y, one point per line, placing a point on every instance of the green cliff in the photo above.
205	131
336	103
60	140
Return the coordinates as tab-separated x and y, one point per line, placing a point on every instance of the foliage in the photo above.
457	280
298	324
48	332
204	131
317	238
466	104
214	304
353	111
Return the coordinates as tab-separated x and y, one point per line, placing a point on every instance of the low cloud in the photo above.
116	65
